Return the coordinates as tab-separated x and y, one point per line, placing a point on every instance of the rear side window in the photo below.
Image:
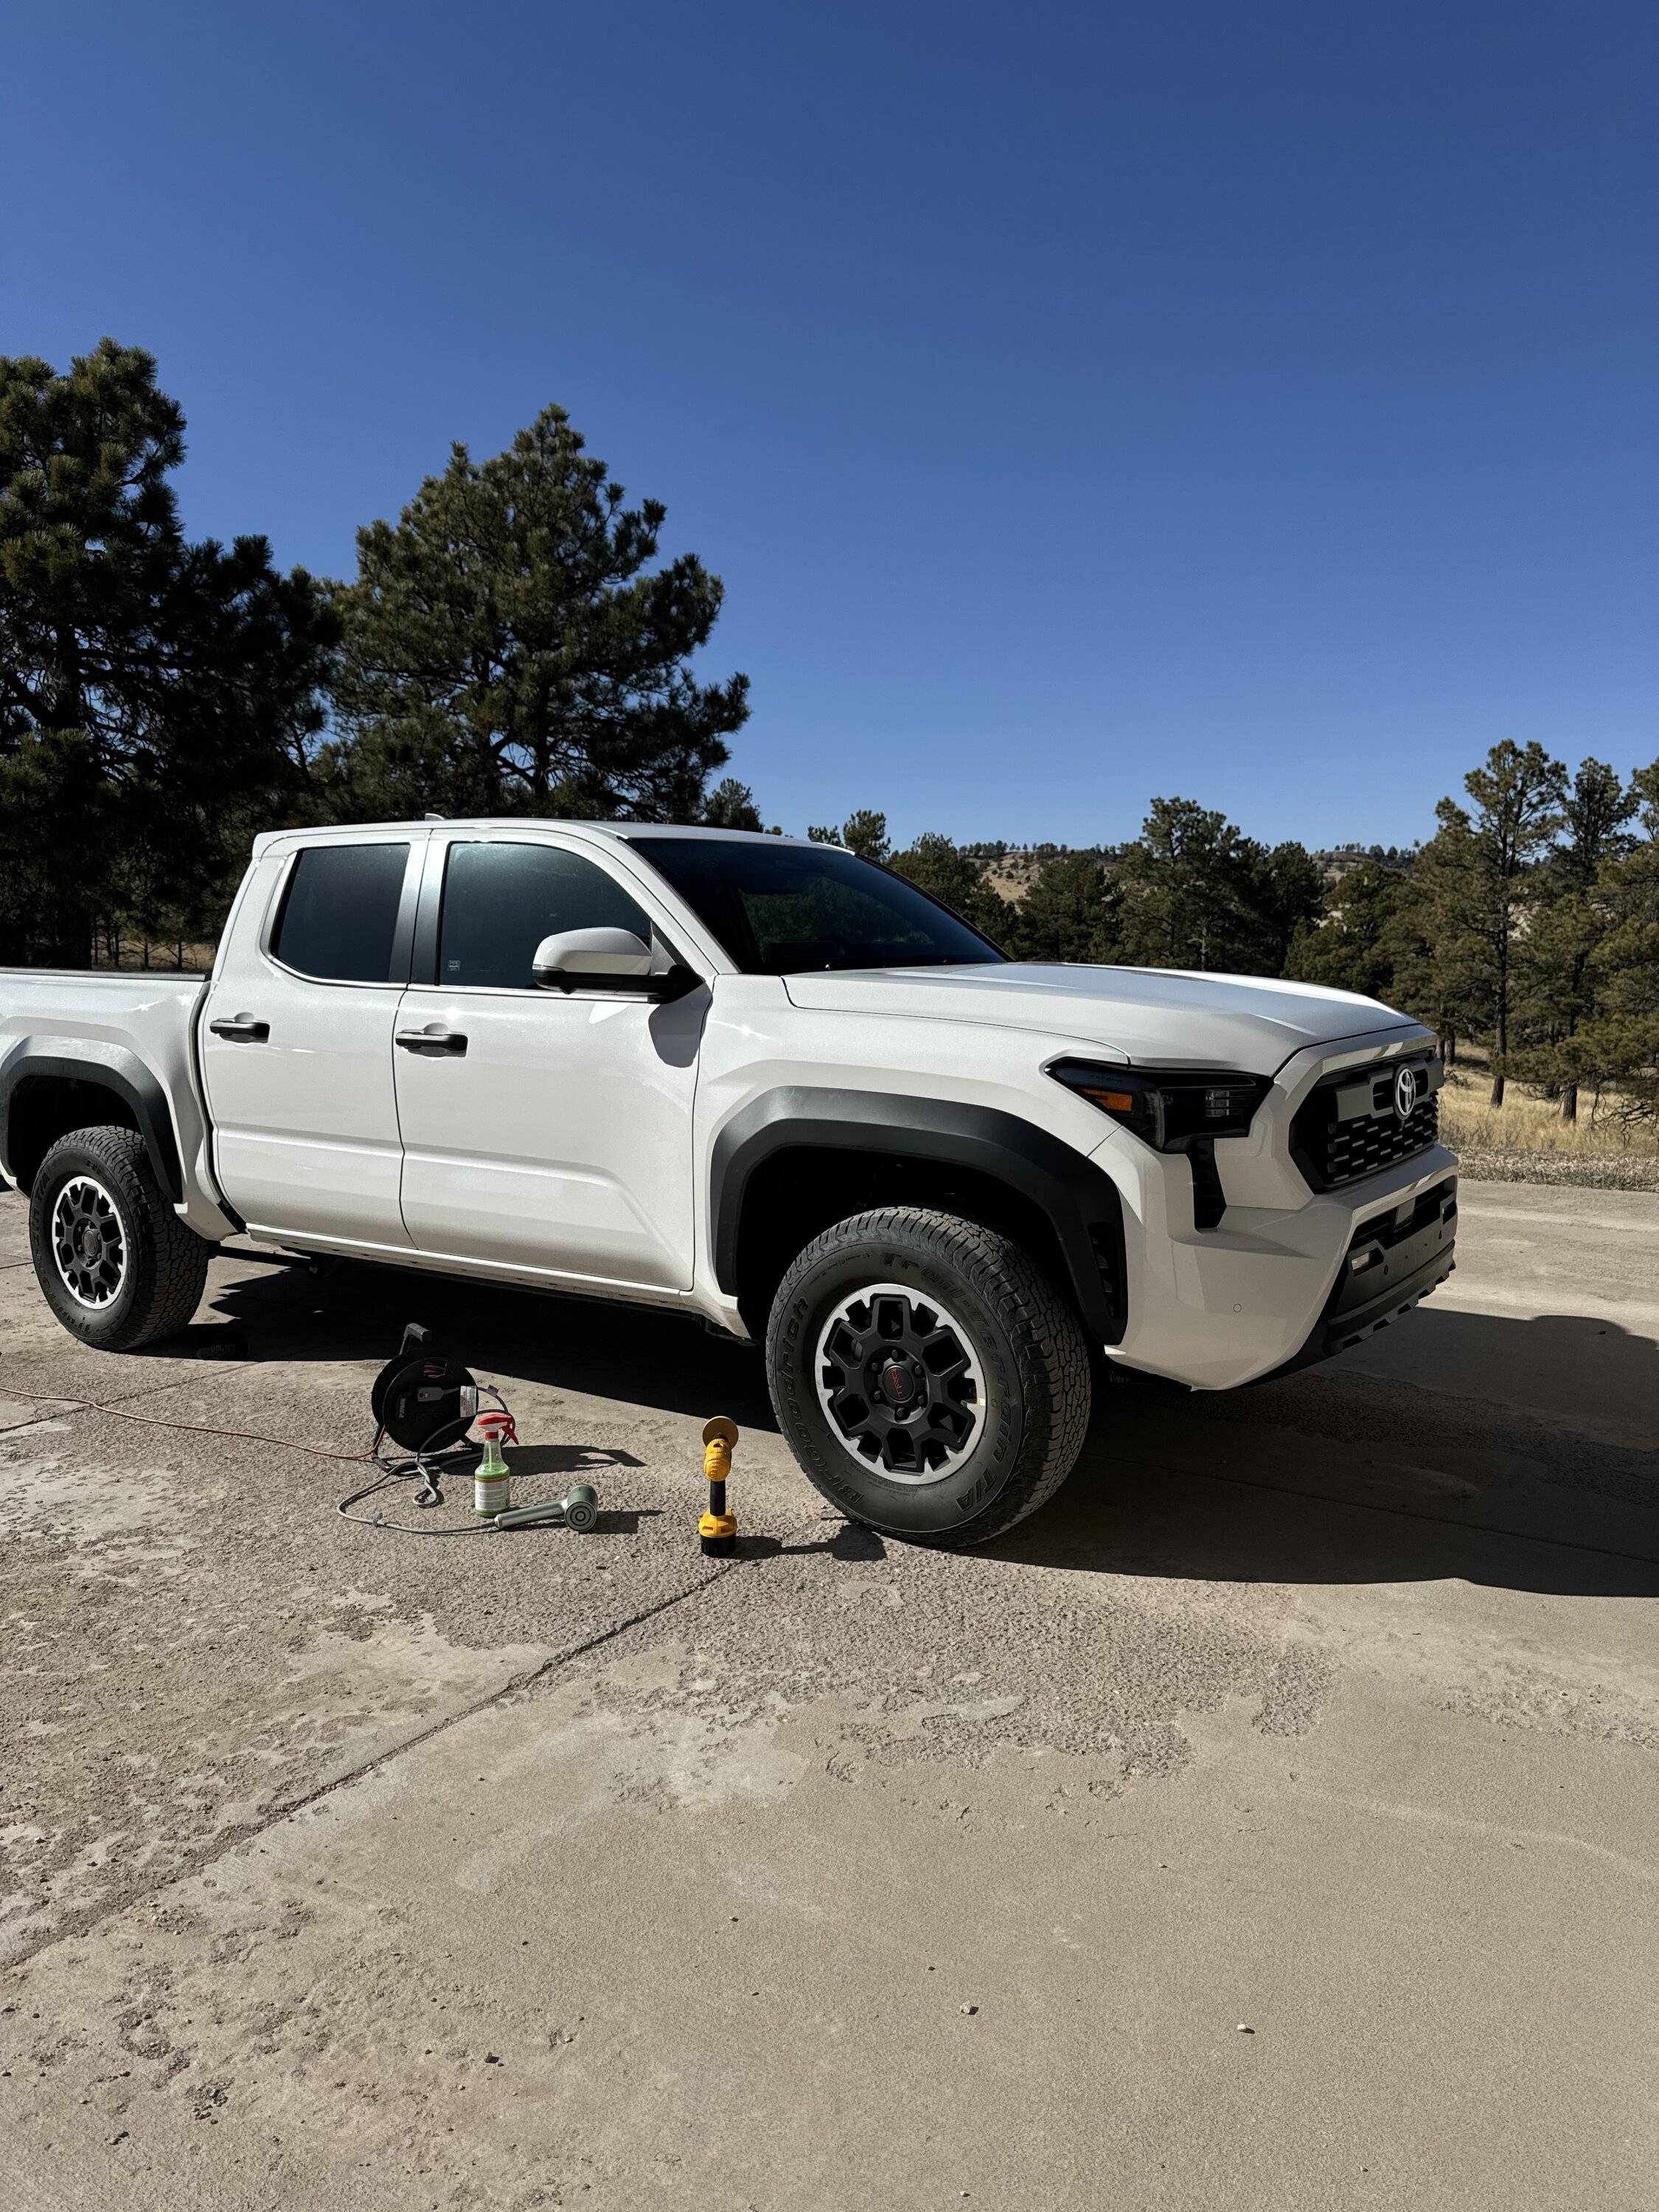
340	915
500	900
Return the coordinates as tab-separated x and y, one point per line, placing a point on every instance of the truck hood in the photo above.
1154	1017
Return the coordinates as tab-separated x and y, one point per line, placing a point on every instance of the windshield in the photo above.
783	909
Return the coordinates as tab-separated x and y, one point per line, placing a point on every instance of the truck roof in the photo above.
624	830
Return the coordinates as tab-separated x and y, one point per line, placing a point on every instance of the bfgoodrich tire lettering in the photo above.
1030	1350
162	1265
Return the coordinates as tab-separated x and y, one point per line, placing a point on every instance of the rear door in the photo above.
296	1041
543	1133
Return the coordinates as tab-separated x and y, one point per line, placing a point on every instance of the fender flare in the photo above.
86	1061
1080	1202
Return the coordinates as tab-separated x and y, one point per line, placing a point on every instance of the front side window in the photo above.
500	900
784	909
339	917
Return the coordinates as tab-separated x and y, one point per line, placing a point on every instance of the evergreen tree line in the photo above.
510	646
1526	926
513	645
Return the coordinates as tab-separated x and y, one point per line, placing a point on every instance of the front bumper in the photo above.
1259	1291
1270	1288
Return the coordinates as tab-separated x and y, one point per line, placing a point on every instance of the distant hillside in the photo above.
1010	869
1342	859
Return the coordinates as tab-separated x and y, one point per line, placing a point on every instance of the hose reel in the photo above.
423	1399
427	1402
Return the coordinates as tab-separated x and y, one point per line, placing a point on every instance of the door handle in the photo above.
242	1029
432	1040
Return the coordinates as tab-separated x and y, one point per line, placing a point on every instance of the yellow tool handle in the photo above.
717	1459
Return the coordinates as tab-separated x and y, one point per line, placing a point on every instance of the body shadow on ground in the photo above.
1336	1474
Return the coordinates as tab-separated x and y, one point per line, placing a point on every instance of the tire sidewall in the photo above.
939	1509
103	1326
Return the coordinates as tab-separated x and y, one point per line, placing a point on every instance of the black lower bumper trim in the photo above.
1391	1262
1377	1313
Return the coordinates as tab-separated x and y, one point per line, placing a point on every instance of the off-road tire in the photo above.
164	1263
1030	1346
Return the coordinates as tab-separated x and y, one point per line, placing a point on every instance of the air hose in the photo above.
419	1466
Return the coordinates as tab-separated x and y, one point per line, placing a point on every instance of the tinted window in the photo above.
500	901
340	915
781	909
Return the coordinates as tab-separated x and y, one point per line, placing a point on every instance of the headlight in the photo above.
1167	1111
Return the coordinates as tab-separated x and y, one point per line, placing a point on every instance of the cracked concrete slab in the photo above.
1269	1823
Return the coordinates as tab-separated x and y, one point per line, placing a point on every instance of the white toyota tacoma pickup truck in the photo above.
758	1080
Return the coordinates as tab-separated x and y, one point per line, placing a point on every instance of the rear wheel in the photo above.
928	1377
116	1264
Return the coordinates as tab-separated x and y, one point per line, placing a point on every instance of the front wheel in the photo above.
928	1377
118	1267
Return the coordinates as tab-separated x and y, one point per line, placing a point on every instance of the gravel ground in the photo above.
1268	1823
1562	1170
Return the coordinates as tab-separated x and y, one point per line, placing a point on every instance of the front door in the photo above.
543	1133
296	1042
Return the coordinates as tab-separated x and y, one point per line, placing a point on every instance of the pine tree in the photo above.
157	697
1472	889
1070	914
1196	893
1438	965
864	833
1619	1043
1179	886
730	805
508	649
1572	912
1356	944
941	867
1284	892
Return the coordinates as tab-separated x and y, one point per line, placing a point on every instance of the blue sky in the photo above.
1256	403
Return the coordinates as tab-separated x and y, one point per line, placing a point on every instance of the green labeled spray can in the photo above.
492	1479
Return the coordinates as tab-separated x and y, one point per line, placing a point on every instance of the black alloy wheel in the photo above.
929	1377
116	1264
88	1243
901	1381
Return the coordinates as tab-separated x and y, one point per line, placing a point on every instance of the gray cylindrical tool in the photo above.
577	1510
581	1507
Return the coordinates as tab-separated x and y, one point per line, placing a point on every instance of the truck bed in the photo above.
151	1010
141	1020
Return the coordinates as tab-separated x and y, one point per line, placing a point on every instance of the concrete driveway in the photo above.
1269	1824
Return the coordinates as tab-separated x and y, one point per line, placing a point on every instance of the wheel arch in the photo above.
796	1158
50	1085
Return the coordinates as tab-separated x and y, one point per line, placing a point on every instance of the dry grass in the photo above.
1526	1140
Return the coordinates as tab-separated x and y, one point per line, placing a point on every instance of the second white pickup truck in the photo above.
759	1080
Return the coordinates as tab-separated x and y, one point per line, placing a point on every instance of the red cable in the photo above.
204	1429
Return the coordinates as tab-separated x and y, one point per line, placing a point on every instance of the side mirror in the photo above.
603	959
606	960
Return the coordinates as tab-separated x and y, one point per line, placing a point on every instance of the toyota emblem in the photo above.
1405	1093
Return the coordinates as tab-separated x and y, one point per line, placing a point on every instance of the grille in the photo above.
1331	1148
